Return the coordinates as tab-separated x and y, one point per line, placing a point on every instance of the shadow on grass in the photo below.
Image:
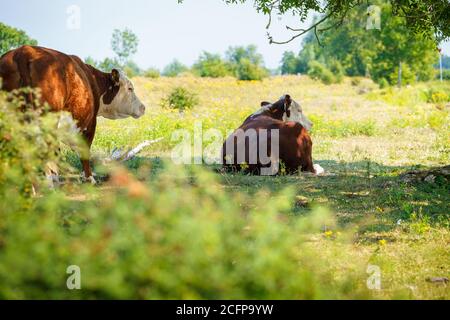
364	193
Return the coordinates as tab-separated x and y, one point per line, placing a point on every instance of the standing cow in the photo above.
68	84
255	146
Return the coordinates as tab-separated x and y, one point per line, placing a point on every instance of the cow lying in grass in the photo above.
274	137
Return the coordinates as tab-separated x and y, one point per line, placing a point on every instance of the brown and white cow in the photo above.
293	143
68	84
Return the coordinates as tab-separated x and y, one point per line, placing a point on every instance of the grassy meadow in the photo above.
164	231
352	122
364	138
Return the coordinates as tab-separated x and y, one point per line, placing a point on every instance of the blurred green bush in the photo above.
182	237
30	139
445	74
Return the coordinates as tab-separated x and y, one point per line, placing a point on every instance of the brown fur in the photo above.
66	83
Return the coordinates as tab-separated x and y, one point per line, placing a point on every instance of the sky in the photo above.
166	29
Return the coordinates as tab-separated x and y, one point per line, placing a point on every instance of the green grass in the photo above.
365	141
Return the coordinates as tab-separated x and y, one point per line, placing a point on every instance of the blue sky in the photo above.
166	29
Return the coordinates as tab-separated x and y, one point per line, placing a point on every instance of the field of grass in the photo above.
364	137
194	234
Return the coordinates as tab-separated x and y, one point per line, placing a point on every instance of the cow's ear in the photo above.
287	100
265	103
115	76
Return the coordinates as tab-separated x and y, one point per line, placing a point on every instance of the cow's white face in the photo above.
296	114
124	101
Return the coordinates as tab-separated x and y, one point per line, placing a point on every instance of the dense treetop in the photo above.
11	38
376	53
420	16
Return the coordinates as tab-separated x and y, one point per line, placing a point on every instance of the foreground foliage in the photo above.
180	237
29	142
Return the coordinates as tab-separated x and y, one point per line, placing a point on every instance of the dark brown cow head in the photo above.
292	111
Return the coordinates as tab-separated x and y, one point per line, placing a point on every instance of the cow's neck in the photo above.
102	82
276	110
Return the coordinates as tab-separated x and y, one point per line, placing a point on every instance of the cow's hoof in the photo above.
89	179
319	170
53	181
92	180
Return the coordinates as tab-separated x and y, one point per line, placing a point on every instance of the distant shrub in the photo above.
211	65
246	70
355	81
298	64
289	63
174	69
366	85
408	75
383	83
319	71
131	69
152	73
107	64
439	97
337	70
246	63
180	99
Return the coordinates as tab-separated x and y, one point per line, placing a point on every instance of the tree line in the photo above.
350	50
419	17
353	50
242	62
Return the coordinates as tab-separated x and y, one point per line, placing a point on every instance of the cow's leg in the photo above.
88	134
87	171
52	175
307	164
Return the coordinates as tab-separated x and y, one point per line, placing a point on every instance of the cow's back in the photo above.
62	81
